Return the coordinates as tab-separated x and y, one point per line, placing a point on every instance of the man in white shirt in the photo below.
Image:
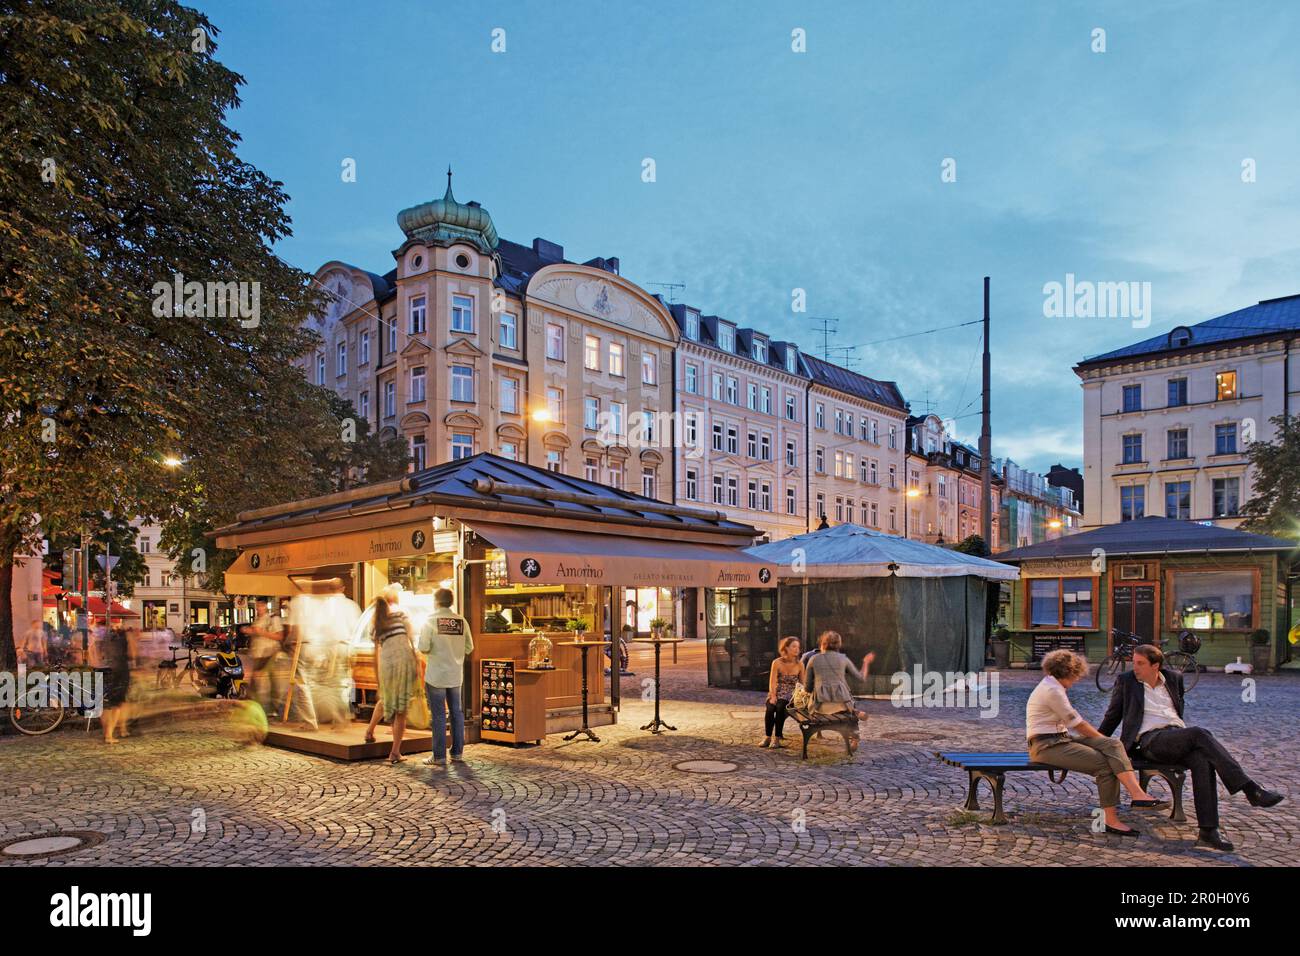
1148	703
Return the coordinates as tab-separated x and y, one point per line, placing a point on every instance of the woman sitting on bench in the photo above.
825	676
1048	717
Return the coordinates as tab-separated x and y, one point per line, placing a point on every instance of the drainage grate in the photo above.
912	736
41	846
706	766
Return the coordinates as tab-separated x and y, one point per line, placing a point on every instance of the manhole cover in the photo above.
50	844
914	736
706	766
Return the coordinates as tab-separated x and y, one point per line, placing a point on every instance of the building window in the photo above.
363	405
363	349
320	368
392	334
765	447
692	378
753	396
765	496
341	358
649	368
819	416
875	515
760	351
751	446
1178	499
726	338
733	491
462	446
1177	443
893	476
765	400
419	453
591	413
390	399
462	383
1225	439
792	453
821	505
1225	386
733	440
616	475
508	330
717	386
509	450
733	390
839	509
555	405
509	395
462	313
791	502
893	519
819	460
591	353
693	325
893	436
1213	600
718	436
839	464
649	423
554	341
417	384
790	410
1132	449
691	425
1132	398
591	469
1132	502
791	359
848	510
617	421
555	461
1227	497
418	315
648	482
692	484
1060	602
616	359
1177	392
718	496
864	471
839	422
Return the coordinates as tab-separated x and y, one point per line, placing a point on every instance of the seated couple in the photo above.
1149	704
820	674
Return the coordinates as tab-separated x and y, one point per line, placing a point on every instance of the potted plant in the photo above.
1260	652
657	626
1000	644
577	625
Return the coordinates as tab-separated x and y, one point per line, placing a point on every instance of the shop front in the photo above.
537	562
1154	578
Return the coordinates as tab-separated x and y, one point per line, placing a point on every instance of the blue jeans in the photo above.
441	699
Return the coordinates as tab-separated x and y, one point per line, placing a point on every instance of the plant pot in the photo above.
1001	654
1260	655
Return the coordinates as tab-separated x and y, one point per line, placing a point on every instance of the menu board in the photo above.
498	686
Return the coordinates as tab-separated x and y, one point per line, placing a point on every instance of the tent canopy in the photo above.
852	551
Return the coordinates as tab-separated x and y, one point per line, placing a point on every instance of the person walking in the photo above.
1148	702
1049	720
787	672
265	648
447	641
398	673
115	659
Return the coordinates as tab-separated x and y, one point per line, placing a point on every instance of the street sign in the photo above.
101	560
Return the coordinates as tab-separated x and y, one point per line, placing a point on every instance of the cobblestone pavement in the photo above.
625	802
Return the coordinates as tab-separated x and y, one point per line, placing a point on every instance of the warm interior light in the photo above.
445	583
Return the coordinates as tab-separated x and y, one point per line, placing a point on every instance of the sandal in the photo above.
395	760
369	737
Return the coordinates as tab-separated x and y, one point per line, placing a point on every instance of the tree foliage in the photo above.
1275	467
973	544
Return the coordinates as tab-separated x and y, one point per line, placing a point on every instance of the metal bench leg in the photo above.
972	791
1176	779
807	732
997	782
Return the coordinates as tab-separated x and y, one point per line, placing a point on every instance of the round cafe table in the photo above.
584	646
658	725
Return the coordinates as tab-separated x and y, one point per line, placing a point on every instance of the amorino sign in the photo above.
392	542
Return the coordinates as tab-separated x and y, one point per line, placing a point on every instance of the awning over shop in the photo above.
546	556
96	605
261	585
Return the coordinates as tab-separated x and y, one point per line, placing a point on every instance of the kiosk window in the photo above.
1210	600
1060	602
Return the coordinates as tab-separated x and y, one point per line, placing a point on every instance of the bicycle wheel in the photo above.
1185	665
1108	672
34	721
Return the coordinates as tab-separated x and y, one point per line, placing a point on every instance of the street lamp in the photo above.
911	493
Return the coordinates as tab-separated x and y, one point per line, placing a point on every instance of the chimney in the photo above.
548	251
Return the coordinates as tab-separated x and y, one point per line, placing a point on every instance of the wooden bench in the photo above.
844	723
993	768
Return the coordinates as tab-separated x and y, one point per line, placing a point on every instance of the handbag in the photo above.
802	699
417	711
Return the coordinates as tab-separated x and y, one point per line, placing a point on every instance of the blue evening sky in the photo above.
821	170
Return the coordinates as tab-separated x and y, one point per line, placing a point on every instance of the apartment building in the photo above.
1033	509
945	489
165	599
1168	420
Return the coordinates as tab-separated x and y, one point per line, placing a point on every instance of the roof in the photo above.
452	483
776	348
1151	535
1266	317
852	551
826	373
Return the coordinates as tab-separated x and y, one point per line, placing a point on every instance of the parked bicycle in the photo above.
1182	661
43	710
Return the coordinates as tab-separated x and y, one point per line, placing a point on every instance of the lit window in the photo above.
591	353
616	358
649	368
1225	385
1213	600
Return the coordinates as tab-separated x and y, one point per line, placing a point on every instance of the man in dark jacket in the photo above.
1148	703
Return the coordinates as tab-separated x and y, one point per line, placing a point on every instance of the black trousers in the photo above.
1196	749
774	718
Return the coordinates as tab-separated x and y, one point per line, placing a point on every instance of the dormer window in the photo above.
760	351
693	325
791	359
726	338
1180	337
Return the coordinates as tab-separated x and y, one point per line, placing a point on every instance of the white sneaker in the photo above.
458	758
433	762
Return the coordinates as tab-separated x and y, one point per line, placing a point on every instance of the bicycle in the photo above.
1182	661
37	720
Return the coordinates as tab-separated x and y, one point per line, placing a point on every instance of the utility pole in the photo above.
986	440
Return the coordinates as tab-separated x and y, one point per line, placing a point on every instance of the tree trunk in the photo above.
8	652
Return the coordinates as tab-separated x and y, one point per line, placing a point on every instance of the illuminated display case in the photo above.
513	702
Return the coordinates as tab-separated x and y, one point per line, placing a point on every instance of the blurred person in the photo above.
294	666
1148	702
336	622
114	658
32	646
1059	737
266	647
396	666
787	672
825	676
447	641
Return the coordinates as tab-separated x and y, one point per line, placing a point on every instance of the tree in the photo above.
114	535
118	178
974	544
1275	467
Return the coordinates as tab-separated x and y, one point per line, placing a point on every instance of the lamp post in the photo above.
911	493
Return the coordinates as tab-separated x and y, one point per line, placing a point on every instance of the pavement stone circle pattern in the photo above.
192	792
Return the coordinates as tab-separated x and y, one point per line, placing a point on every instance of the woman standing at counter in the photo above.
398	673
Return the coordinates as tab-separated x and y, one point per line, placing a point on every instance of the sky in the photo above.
907	151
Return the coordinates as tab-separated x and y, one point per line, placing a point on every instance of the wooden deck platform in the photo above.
347	743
